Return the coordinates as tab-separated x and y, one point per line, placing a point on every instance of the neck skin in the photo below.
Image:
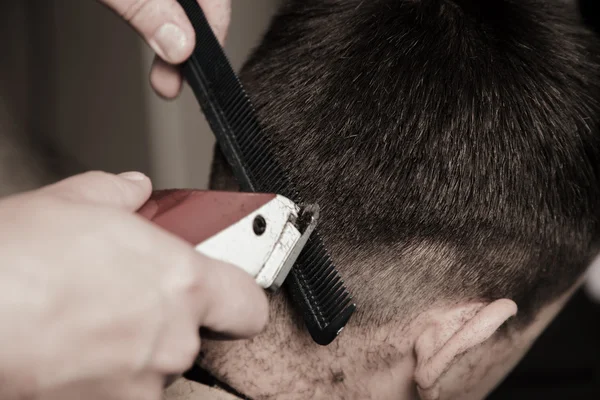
284	364
375	365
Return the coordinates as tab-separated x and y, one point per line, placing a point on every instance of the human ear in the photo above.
454	333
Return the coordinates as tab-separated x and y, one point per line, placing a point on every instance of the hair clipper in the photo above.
263	234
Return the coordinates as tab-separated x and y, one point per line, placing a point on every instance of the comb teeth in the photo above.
314	284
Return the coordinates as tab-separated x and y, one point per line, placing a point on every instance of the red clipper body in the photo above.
261	233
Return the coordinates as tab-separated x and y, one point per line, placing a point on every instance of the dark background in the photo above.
565	361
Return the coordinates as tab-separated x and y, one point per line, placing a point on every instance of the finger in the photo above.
162	23
216	296
219	297
166	28
232	304
165	79
128	191
218	14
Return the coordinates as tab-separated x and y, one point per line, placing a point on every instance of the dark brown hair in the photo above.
453	146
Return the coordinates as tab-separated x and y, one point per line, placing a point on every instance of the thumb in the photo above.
165	26
162	23
128	191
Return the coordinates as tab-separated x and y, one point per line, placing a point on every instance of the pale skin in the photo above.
96	300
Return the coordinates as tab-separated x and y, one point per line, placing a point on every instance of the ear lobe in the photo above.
459	330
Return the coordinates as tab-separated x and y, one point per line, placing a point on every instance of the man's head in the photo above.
454	149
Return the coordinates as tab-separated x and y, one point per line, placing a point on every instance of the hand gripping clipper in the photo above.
263	234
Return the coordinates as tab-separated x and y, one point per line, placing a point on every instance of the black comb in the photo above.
313	284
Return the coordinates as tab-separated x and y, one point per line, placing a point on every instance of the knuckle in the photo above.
184	354
72	188
190	274
86	184
105	186
134	8
185	280
96	175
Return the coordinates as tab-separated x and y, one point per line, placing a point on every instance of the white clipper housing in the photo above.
266	242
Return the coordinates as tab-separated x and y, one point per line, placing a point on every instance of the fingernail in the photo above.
133	176
170	43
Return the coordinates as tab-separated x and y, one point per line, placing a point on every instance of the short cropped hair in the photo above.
453	146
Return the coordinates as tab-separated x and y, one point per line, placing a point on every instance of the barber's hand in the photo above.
166	28
98	303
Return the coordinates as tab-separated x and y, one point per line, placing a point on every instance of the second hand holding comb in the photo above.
314	285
